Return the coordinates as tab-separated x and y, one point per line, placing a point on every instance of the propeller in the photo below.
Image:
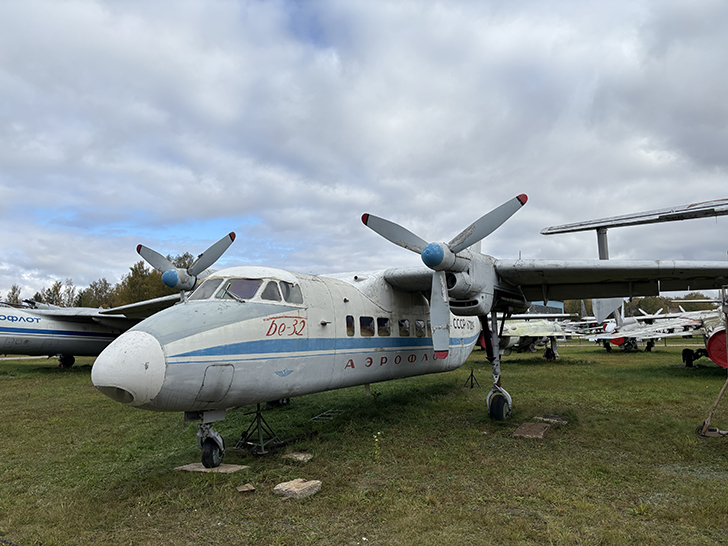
442	257
180	278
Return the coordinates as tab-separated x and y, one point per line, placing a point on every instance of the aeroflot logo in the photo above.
13	318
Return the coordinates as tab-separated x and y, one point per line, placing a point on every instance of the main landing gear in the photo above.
498	400
66	361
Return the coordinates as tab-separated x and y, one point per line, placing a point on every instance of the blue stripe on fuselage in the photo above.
319	345
58	333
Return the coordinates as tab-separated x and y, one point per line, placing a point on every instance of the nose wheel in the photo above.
212	454
209	440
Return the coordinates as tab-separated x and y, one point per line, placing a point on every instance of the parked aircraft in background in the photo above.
709	325
522	333
627	333
67	332
249	335
39	329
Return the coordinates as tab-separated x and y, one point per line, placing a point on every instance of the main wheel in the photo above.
211	453
498	407
66	361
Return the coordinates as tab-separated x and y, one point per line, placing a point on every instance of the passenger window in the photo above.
383	327
350	330
366	326
206	289
242	289
291	292
404	327
271	292
420	328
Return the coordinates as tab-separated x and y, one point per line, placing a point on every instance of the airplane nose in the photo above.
131	369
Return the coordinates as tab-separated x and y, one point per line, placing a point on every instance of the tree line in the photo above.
141	283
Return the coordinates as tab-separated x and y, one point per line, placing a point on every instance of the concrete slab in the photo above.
531	430
298	488
247	488
299	457
222	469
553	419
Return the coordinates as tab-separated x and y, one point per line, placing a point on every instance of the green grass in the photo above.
77	468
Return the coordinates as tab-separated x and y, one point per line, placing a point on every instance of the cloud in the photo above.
123	123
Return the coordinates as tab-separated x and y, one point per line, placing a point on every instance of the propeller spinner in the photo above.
442	257
180	278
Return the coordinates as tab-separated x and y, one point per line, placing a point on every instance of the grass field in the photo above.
421	463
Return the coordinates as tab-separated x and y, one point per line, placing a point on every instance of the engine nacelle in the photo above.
179	279
472	291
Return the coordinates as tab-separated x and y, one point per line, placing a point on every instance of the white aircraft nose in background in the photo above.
131	370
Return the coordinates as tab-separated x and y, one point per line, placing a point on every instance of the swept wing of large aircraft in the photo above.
49	330
250	335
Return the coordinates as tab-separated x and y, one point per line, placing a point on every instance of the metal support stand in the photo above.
258	436
472	379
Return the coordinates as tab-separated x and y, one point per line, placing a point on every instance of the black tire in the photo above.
498	407
66	361
211	453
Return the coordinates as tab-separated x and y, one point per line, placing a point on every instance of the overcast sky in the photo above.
173	123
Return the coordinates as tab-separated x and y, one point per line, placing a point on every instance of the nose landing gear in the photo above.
208	439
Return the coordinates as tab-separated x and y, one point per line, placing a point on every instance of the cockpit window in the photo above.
271	292
206	289
291	292
241	289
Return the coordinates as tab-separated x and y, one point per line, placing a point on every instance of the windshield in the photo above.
241	289
206	289
247	289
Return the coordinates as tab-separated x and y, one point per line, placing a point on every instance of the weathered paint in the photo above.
220	354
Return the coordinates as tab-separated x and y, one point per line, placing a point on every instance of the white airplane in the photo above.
250	335
529	334
40	329
628	332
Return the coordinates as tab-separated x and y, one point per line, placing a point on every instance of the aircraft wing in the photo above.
132	312
545	280
142	309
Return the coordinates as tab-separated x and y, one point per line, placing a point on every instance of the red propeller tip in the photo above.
522	198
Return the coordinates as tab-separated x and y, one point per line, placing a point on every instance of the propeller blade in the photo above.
155	259
440	315
394	233
487	224
211	255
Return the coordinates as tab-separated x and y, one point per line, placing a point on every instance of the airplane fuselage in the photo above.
28	333
251	335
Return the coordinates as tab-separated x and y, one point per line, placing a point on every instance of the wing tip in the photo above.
523	199
365	218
